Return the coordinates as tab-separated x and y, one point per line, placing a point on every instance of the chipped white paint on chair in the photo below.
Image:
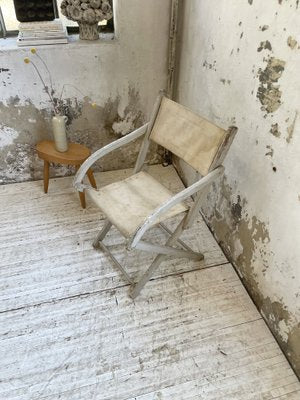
139	202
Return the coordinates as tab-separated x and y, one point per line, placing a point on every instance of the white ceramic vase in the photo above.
59	132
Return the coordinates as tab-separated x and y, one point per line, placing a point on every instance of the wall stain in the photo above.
270	151
264	28
245	240
276	313
224	81
266	45
93	127
208	65
268	93
291	42
236	210
250	2
275	130
237	226
18	160
291	128
292	347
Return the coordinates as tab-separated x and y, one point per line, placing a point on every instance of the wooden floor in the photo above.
69	331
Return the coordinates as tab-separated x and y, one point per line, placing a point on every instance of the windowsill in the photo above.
10	43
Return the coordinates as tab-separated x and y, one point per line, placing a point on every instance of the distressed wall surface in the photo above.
239	64
122	76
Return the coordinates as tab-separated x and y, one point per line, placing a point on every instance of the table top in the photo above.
75	155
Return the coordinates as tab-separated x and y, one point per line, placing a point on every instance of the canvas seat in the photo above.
129	202
139	202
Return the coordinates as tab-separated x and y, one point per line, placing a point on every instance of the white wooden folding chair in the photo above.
139	202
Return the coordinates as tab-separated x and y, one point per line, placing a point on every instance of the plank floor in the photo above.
69	331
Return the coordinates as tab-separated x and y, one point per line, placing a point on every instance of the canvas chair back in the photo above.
200	143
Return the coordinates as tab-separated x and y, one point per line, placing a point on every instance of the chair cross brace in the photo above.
162	251
167	230
168	250
115	261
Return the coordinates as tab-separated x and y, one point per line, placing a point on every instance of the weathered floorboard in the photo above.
60	233
69	331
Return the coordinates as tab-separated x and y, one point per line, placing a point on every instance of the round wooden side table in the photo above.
75	155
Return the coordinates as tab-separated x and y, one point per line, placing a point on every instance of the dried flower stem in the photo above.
73	86
45	65
57	103
45	87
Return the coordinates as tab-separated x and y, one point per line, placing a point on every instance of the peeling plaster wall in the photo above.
238	63
122	76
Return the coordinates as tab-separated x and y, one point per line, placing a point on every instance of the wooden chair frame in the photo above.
135	241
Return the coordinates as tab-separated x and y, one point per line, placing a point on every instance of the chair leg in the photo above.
101	235
116	262
157	261
136	289
99	244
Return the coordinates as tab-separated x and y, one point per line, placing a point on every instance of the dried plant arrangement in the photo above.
56	99
60	108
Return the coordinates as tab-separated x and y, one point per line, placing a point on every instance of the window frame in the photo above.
71	30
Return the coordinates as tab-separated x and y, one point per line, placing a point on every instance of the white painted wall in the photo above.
127	71
219	72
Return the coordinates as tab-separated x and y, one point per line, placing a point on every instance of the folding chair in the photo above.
139	202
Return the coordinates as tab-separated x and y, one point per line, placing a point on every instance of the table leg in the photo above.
91	178
82	199
46	176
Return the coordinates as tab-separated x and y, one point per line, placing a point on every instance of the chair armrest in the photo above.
178	198
77	183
